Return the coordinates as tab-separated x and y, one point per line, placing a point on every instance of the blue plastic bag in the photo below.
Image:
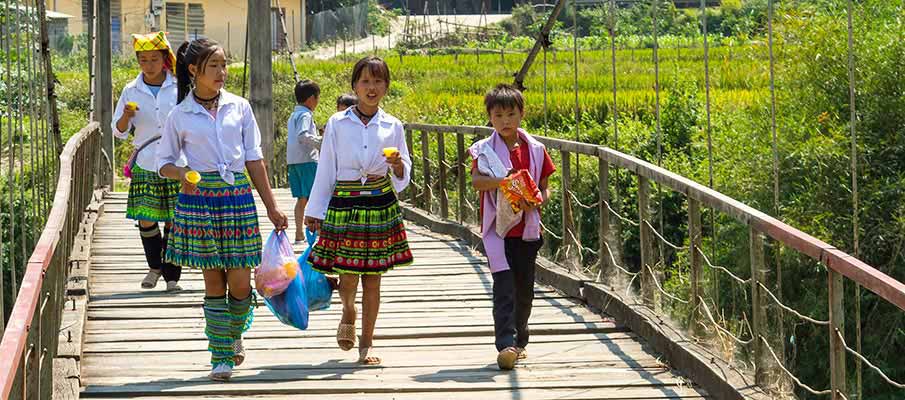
317	287
291	306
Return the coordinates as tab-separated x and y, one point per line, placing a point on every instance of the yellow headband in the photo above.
155	41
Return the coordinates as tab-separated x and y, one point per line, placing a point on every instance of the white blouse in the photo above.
149	119
211	144
352	150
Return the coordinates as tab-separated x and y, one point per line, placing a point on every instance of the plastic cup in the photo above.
132	105
193	177
389	151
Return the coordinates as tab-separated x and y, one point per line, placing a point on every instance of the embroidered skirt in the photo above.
217	226
151	198
363	232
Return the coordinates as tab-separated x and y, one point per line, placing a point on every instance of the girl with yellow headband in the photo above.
142	109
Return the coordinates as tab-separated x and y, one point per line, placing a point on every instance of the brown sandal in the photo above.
345	336
522	353
365	357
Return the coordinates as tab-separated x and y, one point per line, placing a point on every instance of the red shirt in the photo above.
521	159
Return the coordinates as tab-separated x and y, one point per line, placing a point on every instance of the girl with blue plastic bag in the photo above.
216	221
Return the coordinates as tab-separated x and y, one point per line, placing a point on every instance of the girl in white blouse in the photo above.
142	108
363	163
216	223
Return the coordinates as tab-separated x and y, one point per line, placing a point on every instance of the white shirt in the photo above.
222	144
149	119
352	150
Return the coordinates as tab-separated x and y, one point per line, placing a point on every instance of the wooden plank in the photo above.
460	178
441	186
640	393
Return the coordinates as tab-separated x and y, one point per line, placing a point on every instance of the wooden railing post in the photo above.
694	257
441	184
413	192
460	172
568	226
648	292
836	328
426	173
603	230
758	306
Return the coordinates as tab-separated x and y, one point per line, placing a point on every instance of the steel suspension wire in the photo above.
855	196
19	117
612	23
4	44
716	285
658	131
777	253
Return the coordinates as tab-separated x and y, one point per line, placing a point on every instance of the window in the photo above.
184	21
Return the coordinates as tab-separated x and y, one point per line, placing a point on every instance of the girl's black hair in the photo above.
375	65
197	53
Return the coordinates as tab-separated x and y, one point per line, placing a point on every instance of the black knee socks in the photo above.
171	272
151	241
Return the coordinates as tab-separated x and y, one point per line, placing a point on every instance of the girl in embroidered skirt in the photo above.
364	162
216	224
143	107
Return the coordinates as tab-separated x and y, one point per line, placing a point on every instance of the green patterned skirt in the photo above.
151	198
217	226
363	232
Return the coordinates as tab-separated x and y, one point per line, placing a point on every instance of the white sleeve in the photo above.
169	148
251	136
401	183
117	114
325	179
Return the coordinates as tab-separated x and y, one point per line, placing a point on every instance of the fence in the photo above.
30	342
29	139
348	22
440	187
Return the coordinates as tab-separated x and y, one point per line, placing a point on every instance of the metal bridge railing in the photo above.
30	342
440	187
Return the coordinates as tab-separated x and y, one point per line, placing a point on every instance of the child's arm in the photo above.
307	134
168	153
122	118
484	183
544	194
257	170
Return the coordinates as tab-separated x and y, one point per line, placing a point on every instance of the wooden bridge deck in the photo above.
435	335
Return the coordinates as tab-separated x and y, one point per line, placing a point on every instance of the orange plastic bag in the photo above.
520	186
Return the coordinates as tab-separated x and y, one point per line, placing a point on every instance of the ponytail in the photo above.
196	53
183	78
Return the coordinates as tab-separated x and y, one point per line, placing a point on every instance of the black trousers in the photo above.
513	293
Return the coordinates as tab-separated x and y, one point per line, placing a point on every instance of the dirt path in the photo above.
375	42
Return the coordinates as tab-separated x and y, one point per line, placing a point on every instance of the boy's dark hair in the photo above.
375	65
197	53
505	96
347	100
304	89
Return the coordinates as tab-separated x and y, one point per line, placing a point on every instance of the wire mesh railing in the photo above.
30	140
441	188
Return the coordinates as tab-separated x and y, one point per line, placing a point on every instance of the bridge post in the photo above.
648	292
460	171
836	329
441	186
426	174
694	256
758	309
568	224
261	65
103	108
412	195
603	229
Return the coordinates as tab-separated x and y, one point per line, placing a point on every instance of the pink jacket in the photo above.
493	243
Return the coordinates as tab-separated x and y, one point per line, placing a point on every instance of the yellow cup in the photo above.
193	177
132	105
389	151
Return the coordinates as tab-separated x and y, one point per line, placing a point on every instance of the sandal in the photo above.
507	358
345	336
365	357
522	353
